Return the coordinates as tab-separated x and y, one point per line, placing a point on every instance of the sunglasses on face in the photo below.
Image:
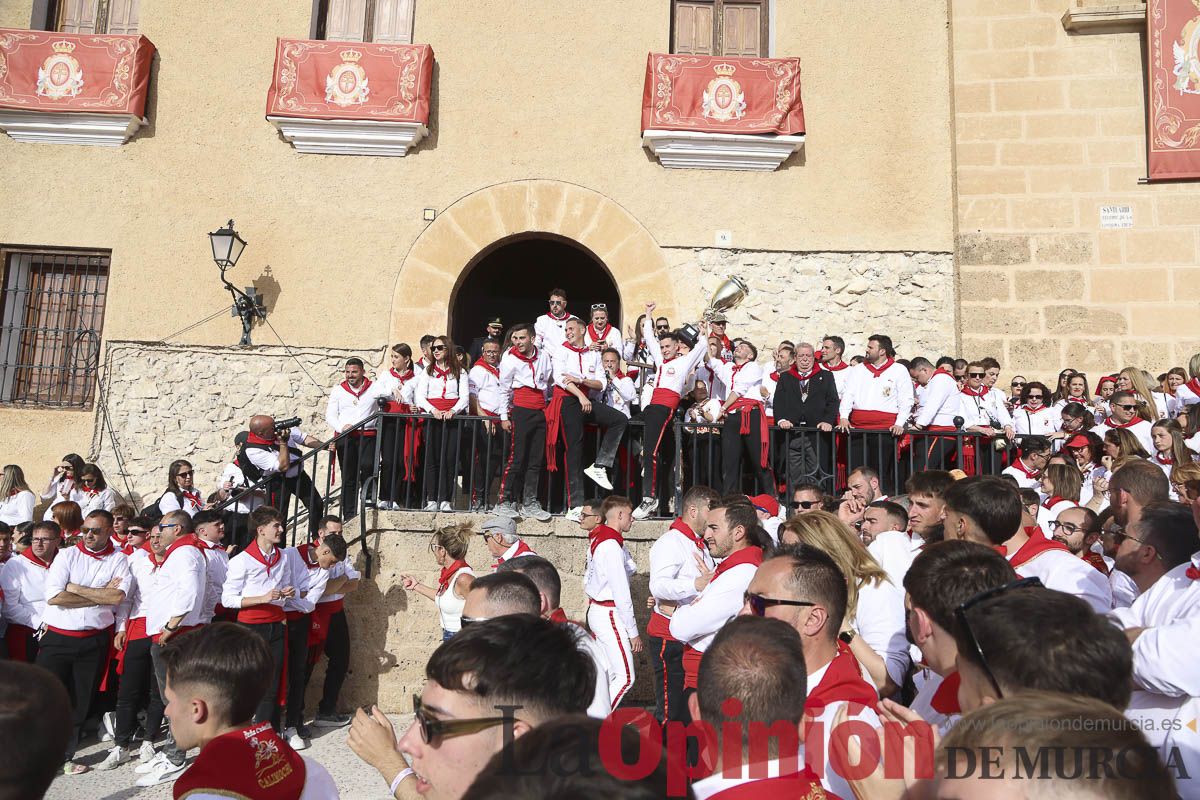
975	374
1018	383
438	347
132	532
91	530
184	474
960	614
435	730
167	526
558	302
805	504
759	604
1126	406
1036	396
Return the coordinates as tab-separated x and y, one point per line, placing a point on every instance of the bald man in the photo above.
268	454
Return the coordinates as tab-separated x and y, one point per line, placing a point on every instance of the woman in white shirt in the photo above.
1152	405
1170	449
181	493
1034	416
63	480
1077	392
16	498
449	548
443	391
94	493
1060	485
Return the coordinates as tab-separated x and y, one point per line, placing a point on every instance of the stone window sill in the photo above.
69	127
350	137
698	150
1105	19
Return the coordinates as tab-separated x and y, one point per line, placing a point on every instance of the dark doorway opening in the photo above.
513	280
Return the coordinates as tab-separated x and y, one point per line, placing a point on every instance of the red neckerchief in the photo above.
306	551
877	371
1028	409
254	438
841	683
155	561
249	762
1096	560
91	492
257	554
1192	572
494	370
747	555
686	530
448	573
527	359
558	615
774	376
733	371
942	371
437	372
193	496
187	540
1050	502
403	377
982	391
357	394
807	376
1136	419
945	698
574	349
603	533
565	314
596	335
108	548
1037	544
1019	466
828	368
521	548
1159	458
1194	385
28	553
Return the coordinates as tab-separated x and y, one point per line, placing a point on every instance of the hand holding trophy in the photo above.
728	295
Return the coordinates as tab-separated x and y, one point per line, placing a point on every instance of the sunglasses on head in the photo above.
434	729
599	307
759	604
960	615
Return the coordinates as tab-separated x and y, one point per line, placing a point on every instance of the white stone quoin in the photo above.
699	150
70	127
350	137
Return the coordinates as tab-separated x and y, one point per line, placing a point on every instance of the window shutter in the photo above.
742	29
123	16
346	20
393	22
77	16
694	29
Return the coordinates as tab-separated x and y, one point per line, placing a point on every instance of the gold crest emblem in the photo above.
60	74
724	99
346	84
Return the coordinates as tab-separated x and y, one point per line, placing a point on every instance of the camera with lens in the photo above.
286	424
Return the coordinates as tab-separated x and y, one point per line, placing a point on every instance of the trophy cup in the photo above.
727	296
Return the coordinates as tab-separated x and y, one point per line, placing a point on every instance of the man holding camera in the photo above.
273	450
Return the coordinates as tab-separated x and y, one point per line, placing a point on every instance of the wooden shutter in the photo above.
346	20
694	28
393	22
123	16
77	16
743	29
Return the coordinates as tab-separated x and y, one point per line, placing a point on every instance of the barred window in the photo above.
51	316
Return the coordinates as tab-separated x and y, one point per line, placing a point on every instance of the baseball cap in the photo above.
765	503
505	525
1078	440
718	317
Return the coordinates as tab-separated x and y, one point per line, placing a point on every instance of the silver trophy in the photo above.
728	295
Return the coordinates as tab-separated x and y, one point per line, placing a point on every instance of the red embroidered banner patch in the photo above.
1174	76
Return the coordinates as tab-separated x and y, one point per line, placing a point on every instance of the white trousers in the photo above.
614	640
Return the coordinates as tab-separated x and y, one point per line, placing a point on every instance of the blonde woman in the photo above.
1061	484
1151	405
449	548
874	622
16	498
1170	450
1185	481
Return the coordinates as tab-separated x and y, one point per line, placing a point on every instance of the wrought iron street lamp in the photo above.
227	247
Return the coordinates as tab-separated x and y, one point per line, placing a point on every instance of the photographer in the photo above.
273	451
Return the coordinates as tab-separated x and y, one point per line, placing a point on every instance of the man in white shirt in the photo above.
618	392
210	535
1034	454
610	605
680	566
271	454
310	567
84	586
550	328
500	537
878	396
1124	414
332	634
351	402
832	348
745	430
23	584
490	441
526	372
1162	625
940	407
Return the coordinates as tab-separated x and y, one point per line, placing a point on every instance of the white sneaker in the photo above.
575	514
294	739
152	763
648	505
146	752
599	475
445	506
116	757
431	506
108	721
163	772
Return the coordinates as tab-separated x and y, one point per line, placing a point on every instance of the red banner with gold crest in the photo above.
1173	73
49	71
722	95
351	80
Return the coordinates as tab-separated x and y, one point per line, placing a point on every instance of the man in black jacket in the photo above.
806	397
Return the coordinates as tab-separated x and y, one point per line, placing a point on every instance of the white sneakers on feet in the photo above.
575	514
599	475
116	757
646	508
150	763
162	772
146	752
108	721
431	506
445	506
294	739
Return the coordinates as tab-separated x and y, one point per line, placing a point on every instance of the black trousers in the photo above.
657	424
734	444
705	460
666	656
137	682
337	650
237	530
302	487
526	455
611	421
441	459
172	752
490	450
931	451
391	458
77	663
297	667
808	455
274	634
356	457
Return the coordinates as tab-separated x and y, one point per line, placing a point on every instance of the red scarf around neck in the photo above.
447	573
257	554
692	536
808	376
529	359
254	438
601	534
838	368
1035	546
1050	502
982	391
877	371
1020	466
747	555
945	698
366	384
187	540
841	683
1194	385
403	377
494	370
595	335
1129	424
108	548
28	553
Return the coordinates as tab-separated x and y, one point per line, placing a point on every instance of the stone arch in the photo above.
431	271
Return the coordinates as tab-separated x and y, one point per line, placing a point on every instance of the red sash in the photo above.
665	397
691	666
395	406
530	398
250	762
261	614
442	403
553	423
872	420
744	406
842	682
17	640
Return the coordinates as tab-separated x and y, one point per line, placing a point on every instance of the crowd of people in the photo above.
1001	598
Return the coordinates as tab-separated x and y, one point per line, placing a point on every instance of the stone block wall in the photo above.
393	632
1050	126
163	401
803	296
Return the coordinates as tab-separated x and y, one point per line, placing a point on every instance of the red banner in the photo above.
351	80
1174	77
49	71
722	95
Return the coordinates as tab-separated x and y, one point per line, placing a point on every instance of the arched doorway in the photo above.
513	278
